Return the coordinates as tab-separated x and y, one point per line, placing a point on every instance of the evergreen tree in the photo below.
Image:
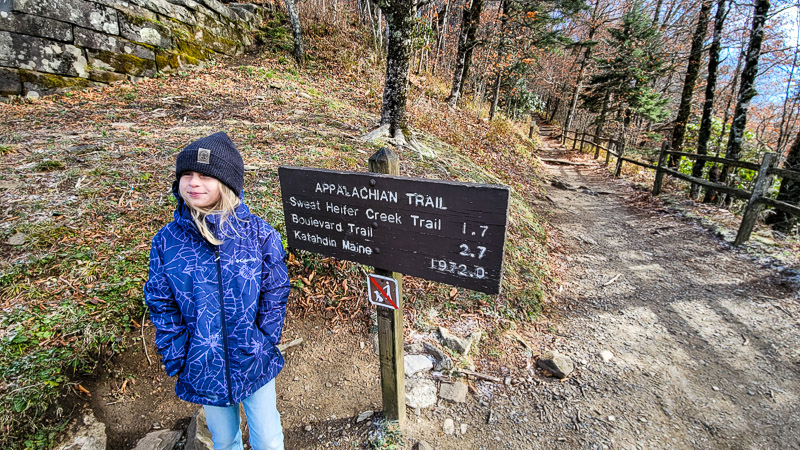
626	75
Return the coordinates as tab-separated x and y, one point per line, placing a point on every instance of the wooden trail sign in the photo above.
442	231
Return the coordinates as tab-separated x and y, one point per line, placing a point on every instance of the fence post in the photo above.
583	138
390	321
763	182
574	139
611	143
620	150
662	159
596	142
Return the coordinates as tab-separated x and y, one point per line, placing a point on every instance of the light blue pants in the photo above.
263	421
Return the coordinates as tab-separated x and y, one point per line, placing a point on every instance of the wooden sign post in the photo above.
446	231
390	321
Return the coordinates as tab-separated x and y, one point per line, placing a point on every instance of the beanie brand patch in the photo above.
203	155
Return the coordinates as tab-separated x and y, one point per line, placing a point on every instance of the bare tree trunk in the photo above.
708	105
787	118
657	12
500	53
789	192
711	195
601	119
400	19
495	95
443	22
692	70
747	89
297	32
466	43
380	31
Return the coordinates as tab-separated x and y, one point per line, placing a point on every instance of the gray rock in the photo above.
10	83
32	53
86	434
197	435
556	363
36	26
454	392
159	440
146	32
420	393
474	339
82	13
364	416
120	63
422	445
449	427
416	363
441	361
99	41
453	342
16	239
413	348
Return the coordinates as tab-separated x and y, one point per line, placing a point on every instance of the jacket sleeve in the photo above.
171	332
275	288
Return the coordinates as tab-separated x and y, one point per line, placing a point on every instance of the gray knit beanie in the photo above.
215	156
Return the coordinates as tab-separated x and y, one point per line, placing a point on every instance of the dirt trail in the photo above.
705	343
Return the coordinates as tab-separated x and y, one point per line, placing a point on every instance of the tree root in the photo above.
400	140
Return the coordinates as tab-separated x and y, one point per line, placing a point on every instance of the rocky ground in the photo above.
675	339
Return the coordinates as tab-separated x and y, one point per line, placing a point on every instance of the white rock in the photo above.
606	355
420	393
449	426
364	416
90	435
16	239
463	428
416	363
159	440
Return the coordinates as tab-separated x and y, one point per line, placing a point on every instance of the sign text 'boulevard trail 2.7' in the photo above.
437	230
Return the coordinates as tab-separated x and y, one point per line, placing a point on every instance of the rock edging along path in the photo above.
700	345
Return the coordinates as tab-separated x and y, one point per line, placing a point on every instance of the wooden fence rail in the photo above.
756	198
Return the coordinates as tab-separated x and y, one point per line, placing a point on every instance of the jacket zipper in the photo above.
224	326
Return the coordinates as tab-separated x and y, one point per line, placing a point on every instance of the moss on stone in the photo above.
167	61
189	48
50	81
105	76
126	63
143	21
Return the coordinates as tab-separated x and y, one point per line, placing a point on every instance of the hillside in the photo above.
86	183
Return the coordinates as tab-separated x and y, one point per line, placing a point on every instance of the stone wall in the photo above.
47	46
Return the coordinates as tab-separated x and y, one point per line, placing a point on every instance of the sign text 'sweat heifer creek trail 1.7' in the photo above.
442	231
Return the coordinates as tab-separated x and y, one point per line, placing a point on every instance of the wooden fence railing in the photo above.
756	198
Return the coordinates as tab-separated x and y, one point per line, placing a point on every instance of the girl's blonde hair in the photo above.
225	207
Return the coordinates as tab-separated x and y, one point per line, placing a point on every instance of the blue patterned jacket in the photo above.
218	311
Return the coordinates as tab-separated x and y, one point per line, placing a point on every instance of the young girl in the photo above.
217	295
